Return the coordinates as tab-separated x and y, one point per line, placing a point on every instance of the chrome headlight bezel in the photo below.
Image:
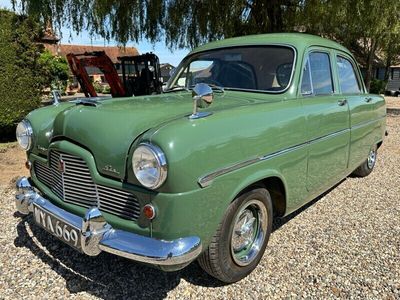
160	163
24	129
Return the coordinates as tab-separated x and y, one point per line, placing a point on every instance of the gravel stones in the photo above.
345	244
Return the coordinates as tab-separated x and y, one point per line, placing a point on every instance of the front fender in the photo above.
258	176
200	211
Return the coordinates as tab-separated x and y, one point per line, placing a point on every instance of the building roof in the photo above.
49	37
112	52
166	65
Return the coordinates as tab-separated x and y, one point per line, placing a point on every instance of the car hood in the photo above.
107	128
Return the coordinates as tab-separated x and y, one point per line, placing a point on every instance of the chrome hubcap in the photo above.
371	159
248	232
243	231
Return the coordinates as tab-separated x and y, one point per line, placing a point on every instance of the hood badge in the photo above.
61	166
40	148
110	169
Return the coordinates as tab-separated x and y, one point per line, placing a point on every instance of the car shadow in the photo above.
279	222
105	276
111	277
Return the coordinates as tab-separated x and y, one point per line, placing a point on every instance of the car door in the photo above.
328	121
360	106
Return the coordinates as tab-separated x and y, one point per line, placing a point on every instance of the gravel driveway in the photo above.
345	244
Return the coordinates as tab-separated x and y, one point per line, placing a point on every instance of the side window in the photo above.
317	75
347	76
306	88
321	74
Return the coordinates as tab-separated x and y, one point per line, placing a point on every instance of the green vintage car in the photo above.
248	130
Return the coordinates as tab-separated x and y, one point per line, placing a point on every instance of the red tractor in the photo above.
141	74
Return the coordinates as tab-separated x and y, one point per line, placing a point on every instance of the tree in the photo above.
20	81
55	70
190	22
184	23
367	27
391	50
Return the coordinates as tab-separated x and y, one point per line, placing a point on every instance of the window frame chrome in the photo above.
316	49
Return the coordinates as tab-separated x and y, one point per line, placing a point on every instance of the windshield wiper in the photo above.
219	88
176	87
214	87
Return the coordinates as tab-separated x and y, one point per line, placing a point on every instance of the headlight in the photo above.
24	135
149	165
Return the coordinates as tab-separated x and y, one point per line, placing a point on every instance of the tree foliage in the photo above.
55	70
183	23
368	27
190	22
20	80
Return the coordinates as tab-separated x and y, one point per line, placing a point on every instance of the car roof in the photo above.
297	40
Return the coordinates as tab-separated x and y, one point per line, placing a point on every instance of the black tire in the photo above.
218	260
368	165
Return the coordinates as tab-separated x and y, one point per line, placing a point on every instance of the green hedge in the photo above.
21	82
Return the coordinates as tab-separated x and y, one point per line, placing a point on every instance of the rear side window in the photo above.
347	76
317	75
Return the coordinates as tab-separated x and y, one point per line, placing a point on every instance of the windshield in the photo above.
260	68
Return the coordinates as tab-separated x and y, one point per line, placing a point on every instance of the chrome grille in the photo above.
75	186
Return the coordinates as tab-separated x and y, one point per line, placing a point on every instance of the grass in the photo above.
7	145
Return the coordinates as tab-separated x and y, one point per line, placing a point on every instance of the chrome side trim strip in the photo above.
328	136
359	125
209	178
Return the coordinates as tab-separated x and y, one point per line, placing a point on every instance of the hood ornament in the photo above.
203	96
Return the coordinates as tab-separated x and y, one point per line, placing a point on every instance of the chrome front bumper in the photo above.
97	235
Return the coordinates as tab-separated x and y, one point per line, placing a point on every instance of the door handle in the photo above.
368	99
342	102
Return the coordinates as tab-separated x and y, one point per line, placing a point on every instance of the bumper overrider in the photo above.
94	234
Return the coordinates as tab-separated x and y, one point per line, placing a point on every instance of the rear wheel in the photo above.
366	168
241	238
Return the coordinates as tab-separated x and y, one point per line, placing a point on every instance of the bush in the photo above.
98	87
55	71
377	86
106	89
21	80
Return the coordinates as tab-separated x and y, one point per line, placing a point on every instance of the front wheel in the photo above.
241	238
368	165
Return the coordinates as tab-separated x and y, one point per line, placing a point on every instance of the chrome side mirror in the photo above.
203	96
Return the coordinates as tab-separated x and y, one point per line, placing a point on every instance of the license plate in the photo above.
64	231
